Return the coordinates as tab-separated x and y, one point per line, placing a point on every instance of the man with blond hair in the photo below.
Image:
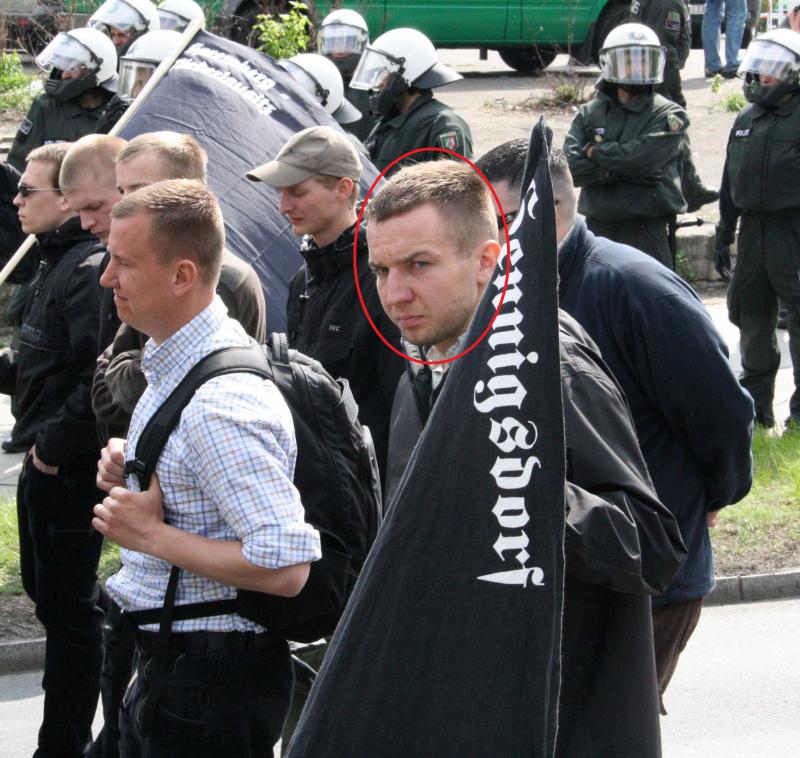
51	375
90	189
146	159
221	506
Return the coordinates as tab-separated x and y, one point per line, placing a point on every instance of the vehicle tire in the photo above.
614	14
527	60
241	28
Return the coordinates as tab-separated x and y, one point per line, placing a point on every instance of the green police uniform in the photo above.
427	123
761	183
51	120
670	20
631	185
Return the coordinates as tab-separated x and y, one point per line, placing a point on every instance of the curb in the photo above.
21	655
754	587
27	655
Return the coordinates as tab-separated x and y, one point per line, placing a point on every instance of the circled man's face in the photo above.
428	285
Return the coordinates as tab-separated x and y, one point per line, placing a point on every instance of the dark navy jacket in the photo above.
693	419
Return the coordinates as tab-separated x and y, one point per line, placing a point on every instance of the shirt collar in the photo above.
181	349
430	353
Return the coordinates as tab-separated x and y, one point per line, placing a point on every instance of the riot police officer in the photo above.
400	68
136	68
341	39
761	184
83	75
624	146
124	21
669	19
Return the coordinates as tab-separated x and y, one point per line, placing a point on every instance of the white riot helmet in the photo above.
132	16
178	14
632	54
79	60
342	38
775	54
322	80
142	59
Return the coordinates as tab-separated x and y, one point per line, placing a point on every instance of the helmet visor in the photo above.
373	70
341	41
133	75
633	65
66	54
768	59
118	14
306	81
172	21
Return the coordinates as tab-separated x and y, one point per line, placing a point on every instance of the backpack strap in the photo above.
148	450
227	360
279	347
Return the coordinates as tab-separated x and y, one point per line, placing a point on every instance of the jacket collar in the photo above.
572	253
325	262
55	243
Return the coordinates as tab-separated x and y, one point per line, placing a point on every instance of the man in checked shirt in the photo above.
221	506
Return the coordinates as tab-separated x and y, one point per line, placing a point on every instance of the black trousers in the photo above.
59	553
767	266
118	652
211	704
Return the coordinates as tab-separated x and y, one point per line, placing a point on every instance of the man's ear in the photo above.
64	204
487	260
344	188
185	276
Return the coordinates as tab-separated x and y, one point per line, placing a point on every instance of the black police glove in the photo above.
722	260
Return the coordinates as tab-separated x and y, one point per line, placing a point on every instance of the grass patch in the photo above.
10	582
15	84
762	532
732	102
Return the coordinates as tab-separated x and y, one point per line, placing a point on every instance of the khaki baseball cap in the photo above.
313	151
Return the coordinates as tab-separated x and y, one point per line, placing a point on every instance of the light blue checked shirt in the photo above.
226	472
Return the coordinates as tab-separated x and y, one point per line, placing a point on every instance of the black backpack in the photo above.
336	475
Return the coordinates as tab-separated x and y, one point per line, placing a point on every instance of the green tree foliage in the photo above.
285	35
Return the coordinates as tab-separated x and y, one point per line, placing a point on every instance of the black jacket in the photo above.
325	320
693	420
51	372
621	545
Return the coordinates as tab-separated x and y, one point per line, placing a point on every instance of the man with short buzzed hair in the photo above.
51	374
89	185
221	505
119	381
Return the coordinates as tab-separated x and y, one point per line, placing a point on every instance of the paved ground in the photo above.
734	694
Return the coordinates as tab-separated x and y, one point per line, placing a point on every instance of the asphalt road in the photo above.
734	694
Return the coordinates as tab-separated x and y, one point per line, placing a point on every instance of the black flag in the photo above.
241	107
449	647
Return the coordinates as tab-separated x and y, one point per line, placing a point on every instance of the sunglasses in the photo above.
24	190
